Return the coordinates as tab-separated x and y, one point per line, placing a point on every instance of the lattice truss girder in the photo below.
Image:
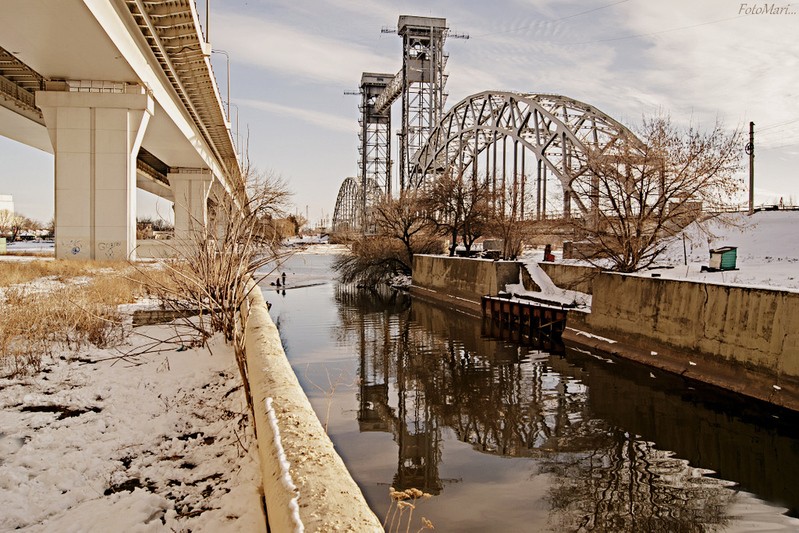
351	212
558	131
345	215
377	151
172	30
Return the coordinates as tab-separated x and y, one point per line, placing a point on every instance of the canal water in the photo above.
509	438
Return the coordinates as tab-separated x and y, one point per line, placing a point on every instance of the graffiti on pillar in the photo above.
74	246
107	248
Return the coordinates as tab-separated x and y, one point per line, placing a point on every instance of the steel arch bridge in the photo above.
353	206
493	135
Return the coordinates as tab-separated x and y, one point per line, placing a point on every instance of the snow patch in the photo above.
285	473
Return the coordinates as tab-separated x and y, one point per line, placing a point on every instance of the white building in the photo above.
6	202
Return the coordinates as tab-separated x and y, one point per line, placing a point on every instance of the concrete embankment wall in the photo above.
738	338
306	485
754	327
572	277
461	282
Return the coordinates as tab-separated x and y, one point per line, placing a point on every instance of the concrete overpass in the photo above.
123	94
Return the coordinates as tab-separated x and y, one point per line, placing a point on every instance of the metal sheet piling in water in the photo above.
525	323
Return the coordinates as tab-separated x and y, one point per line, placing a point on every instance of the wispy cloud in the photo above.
298	52
316	118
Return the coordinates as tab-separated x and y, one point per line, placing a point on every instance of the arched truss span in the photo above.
345	215
502	136
351	204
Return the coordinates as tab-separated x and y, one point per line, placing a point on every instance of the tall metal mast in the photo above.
423	82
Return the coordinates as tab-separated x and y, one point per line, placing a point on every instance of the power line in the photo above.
778	124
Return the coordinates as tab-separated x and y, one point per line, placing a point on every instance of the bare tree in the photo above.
402	230
507	221
459	207
643	192
12	224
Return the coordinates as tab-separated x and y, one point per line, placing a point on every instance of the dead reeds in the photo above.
60	304
400	512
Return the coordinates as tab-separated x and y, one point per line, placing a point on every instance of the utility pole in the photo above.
750	149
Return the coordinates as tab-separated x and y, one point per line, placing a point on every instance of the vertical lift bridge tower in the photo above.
420	82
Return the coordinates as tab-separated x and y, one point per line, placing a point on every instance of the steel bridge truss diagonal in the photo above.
498	136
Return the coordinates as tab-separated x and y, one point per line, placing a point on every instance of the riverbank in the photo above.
509	438
147	434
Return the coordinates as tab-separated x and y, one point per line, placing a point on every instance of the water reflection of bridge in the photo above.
423	369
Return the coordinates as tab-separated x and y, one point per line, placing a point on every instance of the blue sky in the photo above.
292	60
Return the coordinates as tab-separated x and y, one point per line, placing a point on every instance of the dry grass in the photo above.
16	272
77	309
400	512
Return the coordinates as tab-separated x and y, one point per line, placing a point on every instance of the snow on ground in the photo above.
548	292
152	442
768	256
31	247
768	251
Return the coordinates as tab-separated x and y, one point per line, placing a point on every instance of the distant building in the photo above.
6	202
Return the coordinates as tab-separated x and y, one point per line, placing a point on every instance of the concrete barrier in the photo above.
306	485
572	277
459	281
757	328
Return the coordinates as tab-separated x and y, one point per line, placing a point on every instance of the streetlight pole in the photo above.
750	149
227	56
208	21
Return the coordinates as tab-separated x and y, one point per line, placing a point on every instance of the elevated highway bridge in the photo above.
123	94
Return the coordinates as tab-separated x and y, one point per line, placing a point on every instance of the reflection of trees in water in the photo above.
621	483
425	368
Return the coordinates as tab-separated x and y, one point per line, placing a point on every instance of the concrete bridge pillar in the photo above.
191	188
96	138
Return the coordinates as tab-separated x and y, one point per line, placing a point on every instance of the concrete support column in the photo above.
191	188
96	138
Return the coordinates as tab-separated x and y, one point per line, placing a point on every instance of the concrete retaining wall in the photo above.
741	339
461	281
306	485
754	327
575	278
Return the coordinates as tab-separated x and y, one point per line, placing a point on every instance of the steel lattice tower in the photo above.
375	141
423	82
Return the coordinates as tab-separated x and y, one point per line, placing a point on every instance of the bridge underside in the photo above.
123	95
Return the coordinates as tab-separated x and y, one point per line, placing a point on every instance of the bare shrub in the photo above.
215	269
402	230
